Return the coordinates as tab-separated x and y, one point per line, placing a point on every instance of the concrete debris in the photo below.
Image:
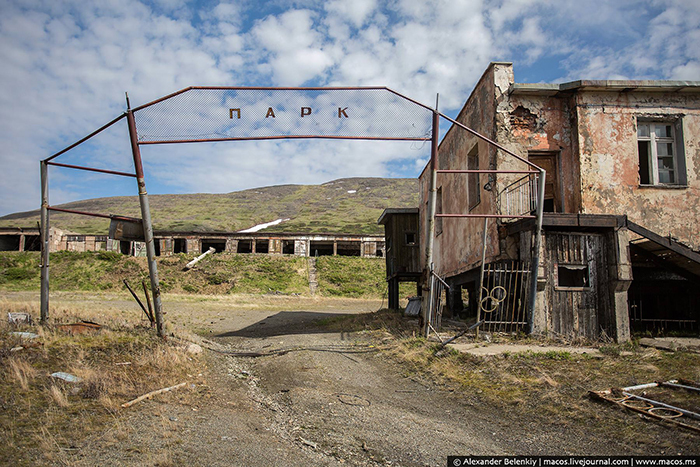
18	318
66	377
308	443
25	335
194	349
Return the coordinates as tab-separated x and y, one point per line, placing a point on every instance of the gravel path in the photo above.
321	399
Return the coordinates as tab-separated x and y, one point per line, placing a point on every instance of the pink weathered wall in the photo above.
609	161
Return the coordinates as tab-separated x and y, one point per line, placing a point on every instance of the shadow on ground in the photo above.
286	323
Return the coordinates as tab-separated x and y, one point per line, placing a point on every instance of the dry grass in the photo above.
546	387
44	418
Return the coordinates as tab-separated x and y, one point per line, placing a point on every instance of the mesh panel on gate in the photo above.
212	114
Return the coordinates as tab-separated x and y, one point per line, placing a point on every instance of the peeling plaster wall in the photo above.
458	246
609	160
537	124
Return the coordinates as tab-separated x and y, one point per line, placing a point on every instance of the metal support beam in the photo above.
44	242
536	251
147	224
427	310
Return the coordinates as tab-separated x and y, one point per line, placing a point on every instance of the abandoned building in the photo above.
168	243
402	261
18	239
620	238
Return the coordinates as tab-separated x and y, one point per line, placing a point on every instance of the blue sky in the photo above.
67	64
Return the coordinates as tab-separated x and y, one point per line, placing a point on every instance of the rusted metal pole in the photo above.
147	224
44	242
432	201
536	251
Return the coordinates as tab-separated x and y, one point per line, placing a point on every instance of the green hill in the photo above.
350	205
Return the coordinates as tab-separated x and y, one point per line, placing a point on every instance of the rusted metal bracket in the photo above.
650	407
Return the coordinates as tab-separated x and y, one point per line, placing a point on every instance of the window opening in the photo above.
32	243
321	248
244	246
156	245
657	148
348	248
410	238
473	188
573	276
438	210
262	246
125	247
219	244
179	245
9	243
287	247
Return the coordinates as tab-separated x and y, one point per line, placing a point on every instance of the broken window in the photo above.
658	149
573	276
473	189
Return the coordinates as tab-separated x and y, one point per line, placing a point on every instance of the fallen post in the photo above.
151	394
474	326
199	258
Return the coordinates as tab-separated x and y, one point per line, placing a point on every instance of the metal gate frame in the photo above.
145	208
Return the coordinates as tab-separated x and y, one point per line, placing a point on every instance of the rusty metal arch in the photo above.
146	222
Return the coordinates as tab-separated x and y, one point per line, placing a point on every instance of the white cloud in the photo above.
67	64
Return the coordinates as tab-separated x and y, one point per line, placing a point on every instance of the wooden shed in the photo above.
402	250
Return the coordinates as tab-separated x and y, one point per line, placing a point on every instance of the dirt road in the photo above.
321	398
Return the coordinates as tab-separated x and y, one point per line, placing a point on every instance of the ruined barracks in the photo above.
620	236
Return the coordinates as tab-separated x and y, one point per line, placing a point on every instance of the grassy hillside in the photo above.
350	205
223	273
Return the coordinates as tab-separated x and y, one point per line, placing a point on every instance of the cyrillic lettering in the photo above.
238	112
305	111
270	113
341	112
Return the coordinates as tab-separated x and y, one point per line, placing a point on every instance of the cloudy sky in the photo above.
67	64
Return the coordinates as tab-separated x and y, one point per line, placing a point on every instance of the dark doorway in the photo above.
9	243
262	246
549	161
156	245
244	246
219	244
321	248
125	247
287	247
179	245
32	243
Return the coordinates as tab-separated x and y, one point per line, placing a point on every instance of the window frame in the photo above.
406	240
577	266
652	157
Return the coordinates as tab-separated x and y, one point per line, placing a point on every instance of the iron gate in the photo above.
504	297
